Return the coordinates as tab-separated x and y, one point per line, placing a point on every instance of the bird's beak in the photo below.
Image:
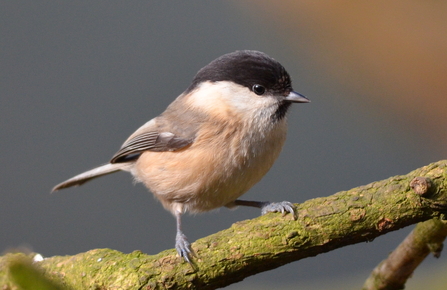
295	97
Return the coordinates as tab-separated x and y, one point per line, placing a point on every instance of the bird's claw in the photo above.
282	207
183	247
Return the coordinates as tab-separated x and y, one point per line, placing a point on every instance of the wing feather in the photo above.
152	141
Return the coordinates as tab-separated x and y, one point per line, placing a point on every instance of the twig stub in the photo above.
421	185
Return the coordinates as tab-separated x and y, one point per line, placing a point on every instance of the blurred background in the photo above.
78	77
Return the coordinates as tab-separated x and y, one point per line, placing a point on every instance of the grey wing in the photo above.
152	141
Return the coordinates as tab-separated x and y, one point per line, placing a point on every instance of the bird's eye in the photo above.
258	89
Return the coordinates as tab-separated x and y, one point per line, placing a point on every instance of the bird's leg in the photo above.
267	206
182	245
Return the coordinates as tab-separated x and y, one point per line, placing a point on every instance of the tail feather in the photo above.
91	174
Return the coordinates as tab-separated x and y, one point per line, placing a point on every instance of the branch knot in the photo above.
421	185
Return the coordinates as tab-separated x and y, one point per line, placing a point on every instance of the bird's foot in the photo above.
282	207
183	247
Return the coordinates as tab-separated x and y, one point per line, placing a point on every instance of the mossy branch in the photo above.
252	246
392	273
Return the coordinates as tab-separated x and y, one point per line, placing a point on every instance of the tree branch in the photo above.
393	273
252	246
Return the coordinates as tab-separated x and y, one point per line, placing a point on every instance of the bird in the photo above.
213	142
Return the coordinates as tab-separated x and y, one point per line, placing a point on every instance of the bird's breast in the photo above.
225	160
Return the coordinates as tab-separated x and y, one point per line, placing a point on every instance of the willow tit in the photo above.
213	142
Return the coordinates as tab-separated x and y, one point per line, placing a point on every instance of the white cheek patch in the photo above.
207	97
221	98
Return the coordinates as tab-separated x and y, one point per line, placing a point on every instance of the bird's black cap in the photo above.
246	68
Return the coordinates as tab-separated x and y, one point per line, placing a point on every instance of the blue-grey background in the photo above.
78	77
